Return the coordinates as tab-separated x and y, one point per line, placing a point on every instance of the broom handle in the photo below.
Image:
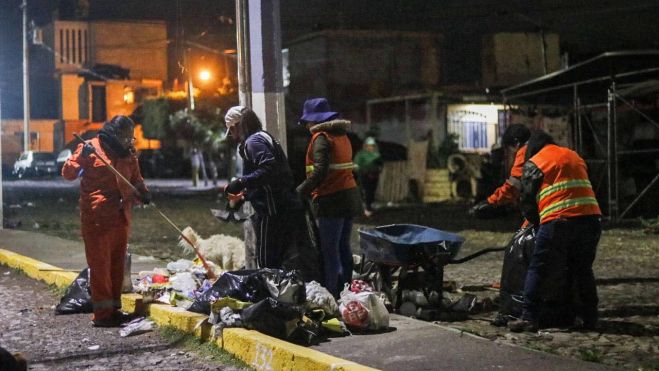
209	271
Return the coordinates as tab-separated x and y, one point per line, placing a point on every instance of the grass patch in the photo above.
591	355
207	349
59	291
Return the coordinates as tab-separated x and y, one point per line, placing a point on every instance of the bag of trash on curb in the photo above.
272	318
136	326
78	297
320	297
253	286
364	310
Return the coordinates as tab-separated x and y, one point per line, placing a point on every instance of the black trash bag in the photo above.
556	291
273	318
303	252
78	296
513	274
252	286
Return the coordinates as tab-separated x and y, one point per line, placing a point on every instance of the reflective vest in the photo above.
340	175
565	191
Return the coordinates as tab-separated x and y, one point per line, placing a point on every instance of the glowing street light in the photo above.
204	75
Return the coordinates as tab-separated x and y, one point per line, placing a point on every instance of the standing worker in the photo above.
332	187
557	197
368	164
514	138
267	183
105	211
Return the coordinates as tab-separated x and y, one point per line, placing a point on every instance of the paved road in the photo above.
52	342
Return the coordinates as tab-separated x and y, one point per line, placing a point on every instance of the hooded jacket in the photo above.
330	181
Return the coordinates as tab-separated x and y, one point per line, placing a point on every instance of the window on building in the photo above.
99	113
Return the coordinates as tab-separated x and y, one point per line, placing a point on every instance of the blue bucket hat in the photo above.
317	110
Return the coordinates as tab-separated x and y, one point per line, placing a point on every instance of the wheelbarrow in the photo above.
401	257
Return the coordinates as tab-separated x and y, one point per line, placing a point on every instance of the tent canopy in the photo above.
590	78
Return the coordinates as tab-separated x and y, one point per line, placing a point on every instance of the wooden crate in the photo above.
437	186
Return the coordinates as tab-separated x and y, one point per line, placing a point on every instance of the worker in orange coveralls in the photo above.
105	211
514	138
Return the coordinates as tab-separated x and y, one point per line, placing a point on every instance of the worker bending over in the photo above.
557	196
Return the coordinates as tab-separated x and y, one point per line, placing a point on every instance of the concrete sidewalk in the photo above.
410	345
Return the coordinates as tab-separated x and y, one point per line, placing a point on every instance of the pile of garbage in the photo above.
275	302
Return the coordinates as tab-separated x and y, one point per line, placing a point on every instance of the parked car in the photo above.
33	163
62	157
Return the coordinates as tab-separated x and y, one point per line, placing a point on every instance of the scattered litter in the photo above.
24	311
137	326
94	347
29	204
7	273
36	225
180	265
15	206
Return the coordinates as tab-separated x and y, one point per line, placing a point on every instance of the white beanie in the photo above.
233	116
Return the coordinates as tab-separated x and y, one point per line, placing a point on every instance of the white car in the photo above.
33	163
61	158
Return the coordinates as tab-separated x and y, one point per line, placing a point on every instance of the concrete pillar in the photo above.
259	45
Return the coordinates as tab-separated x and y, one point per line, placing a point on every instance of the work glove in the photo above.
476	209
234	187
87	149
145	197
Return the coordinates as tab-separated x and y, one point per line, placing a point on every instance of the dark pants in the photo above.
573	241
271	239
337	255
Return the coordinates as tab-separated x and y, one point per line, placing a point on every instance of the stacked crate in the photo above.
437	187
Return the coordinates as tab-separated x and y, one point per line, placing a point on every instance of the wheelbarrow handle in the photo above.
476	254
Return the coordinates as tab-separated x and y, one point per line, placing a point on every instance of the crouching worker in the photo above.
105	211
556	195
267	183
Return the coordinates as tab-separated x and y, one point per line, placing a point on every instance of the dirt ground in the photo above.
626	267
69	342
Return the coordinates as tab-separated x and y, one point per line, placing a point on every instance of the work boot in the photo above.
107	322
522	325
122	317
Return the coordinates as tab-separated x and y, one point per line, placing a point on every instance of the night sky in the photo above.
586	28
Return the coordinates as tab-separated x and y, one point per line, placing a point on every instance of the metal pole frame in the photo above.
611	155
647	188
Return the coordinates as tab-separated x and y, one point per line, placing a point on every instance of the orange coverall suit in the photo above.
105	213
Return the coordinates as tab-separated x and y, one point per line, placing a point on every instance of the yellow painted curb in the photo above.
264	352
260	351
37	270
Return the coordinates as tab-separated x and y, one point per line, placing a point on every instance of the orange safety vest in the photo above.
565	190
340	175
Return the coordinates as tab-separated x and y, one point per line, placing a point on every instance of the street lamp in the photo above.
204	75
